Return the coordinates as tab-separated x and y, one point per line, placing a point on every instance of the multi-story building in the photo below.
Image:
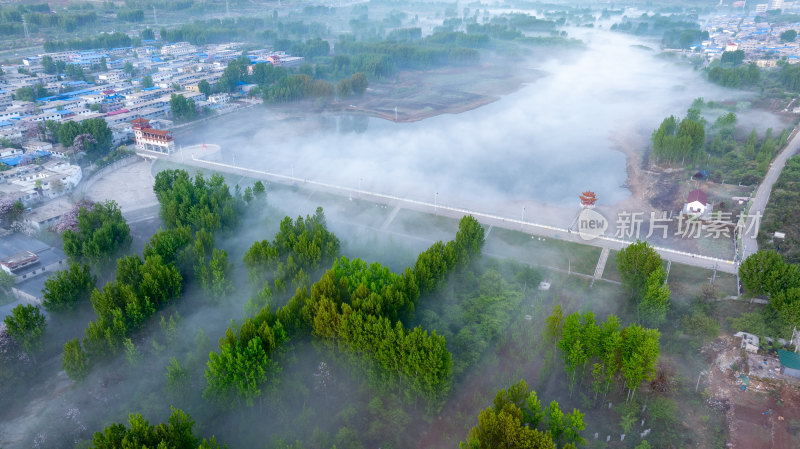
178	49
151	142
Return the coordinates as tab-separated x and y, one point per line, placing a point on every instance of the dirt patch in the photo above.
764	415
417	95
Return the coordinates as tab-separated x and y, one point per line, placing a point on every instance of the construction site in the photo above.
760	401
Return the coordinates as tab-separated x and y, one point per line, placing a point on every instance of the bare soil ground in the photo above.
765	415
418	95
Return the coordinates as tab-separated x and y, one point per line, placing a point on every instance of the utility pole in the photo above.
395	113
523	218
436	203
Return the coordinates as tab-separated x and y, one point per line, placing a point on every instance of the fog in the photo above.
570	128
539	147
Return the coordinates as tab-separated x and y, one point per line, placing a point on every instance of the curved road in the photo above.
759	202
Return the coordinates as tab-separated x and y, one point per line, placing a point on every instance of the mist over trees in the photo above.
67	289
101	234
26	325
608	349
517	420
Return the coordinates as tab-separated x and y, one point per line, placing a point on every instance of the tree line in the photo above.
103	40
91	135
608	348
176	433
245	361
736	77
679	141
354	306
192	211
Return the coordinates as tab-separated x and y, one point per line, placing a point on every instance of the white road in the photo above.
697	260
760	200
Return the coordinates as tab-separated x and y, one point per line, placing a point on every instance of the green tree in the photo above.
788	36
147	82
235	375
655	299
204	87
128	68
516	420
74	360
640	351
48	65
147	34
345	88
758	269
26	326
635	263
176	433
177	379
102	233
554	325
215	277
259	190
182	108
67	289
359	83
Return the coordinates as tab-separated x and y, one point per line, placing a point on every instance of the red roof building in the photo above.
697	195
150	140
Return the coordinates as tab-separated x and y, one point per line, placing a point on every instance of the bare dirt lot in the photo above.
765	415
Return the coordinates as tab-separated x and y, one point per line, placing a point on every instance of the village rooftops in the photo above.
19	261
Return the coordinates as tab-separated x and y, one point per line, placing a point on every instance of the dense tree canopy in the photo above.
679	141
102	234
196	203
67	289
765	272
176	433
183	108
26	325
632	351
299	250
635	263
517	421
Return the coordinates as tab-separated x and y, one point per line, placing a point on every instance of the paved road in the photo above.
696	260
759	202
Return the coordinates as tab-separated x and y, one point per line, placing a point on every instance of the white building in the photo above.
178	49
696	204
151	142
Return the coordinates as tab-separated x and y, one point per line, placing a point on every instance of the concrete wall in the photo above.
791	372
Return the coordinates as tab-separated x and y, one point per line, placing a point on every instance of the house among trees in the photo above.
696	204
